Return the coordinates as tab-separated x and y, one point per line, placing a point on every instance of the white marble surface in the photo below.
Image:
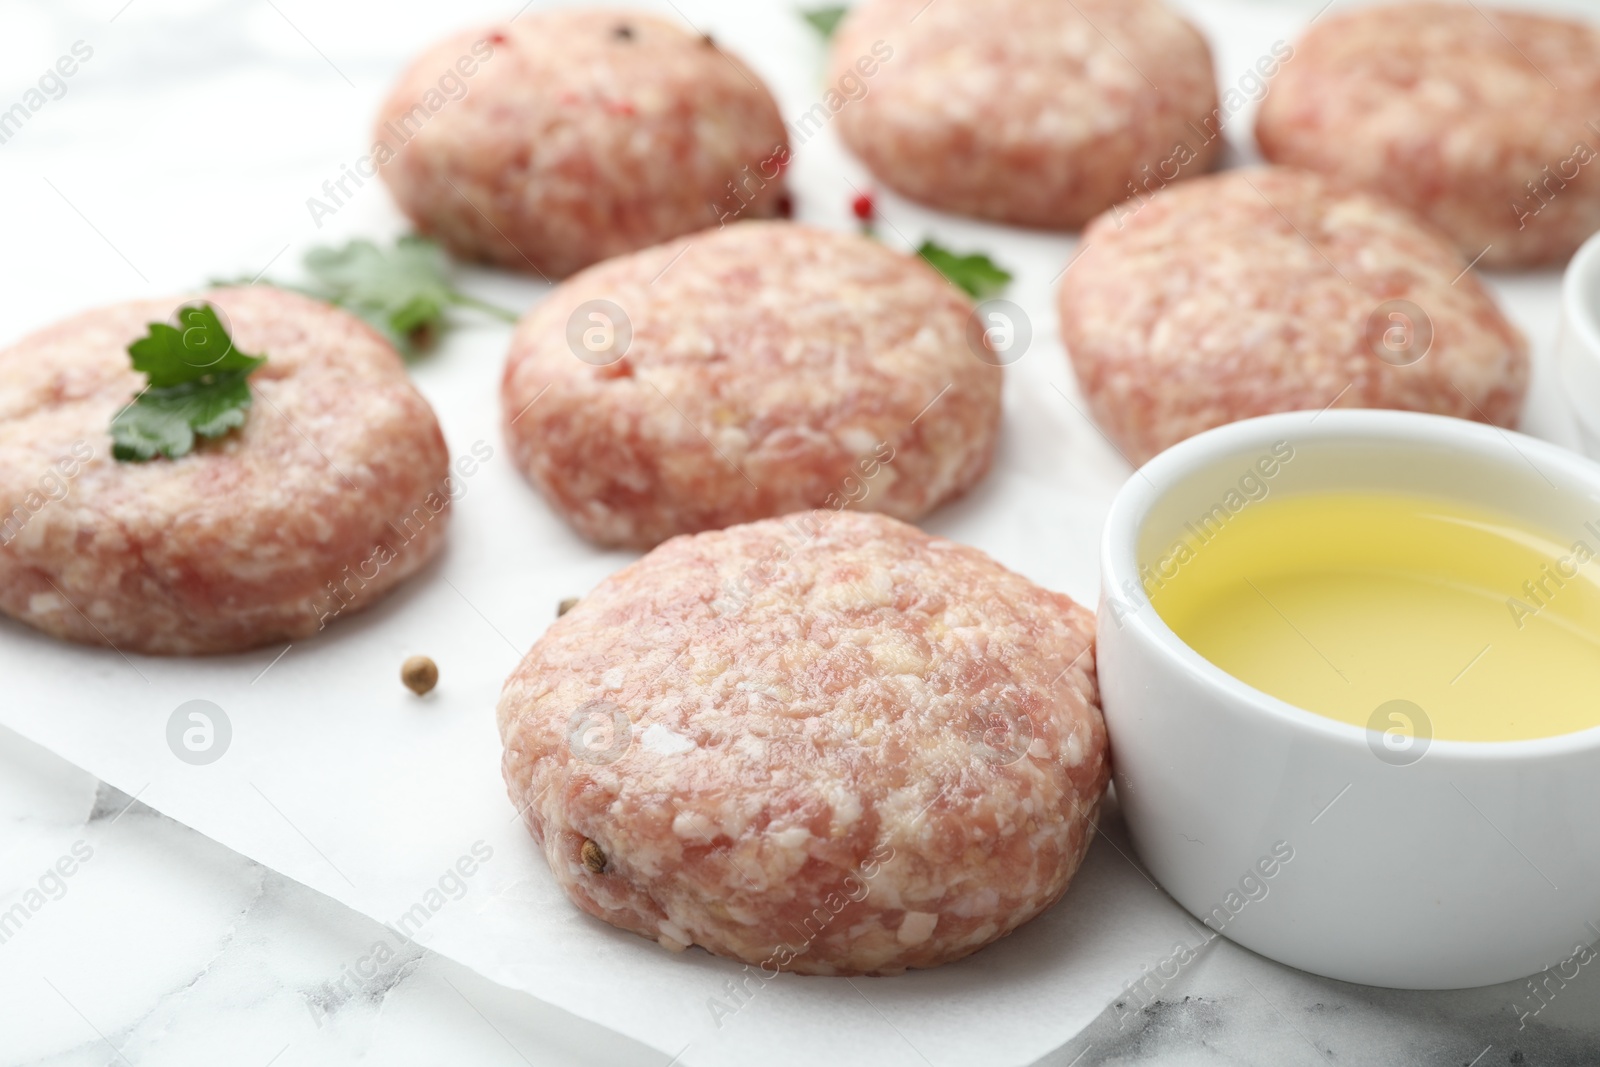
167	948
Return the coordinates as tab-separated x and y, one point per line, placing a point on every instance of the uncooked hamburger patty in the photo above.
1035	112
331	492
1483	122
1266	290
770	368
582	135
827	744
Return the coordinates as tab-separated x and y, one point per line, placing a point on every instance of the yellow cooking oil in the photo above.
1344	602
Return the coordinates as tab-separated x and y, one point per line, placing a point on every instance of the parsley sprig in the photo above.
403	292
197	387
824	19
976	273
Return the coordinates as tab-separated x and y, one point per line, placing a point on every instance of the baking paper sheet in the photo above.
339	778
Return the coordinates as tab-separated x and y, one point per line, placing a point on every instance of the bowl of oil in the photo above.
1350	666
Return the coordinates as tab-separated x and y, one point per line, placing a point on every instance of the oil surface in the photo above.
1341	603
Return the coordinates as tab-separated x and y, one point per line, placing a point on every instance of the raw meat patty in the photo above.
1266	290
1035	112
827	744
580	135
752	371
1483	122
333	490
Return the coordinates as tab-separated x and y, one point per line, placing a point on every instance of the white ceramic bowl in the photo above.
1579	351
1327	846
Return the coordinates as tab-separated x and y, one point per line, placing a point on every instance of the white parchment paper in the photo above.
187	148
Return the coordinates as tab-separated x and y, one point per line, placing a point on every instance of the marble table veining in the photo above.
163	947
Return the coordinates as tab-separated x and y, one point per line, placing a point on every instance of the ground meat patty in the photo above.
748	372
827	744
1486	123
1035	112
1266	290
331	492
580	135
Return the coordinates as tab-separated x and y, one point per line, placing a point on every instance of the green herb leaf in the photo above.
975	273
197	387
824	19
403	292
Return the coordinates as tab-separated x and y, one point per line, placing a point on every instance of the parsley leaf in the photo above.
824	19
975	273
403	292
197	387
